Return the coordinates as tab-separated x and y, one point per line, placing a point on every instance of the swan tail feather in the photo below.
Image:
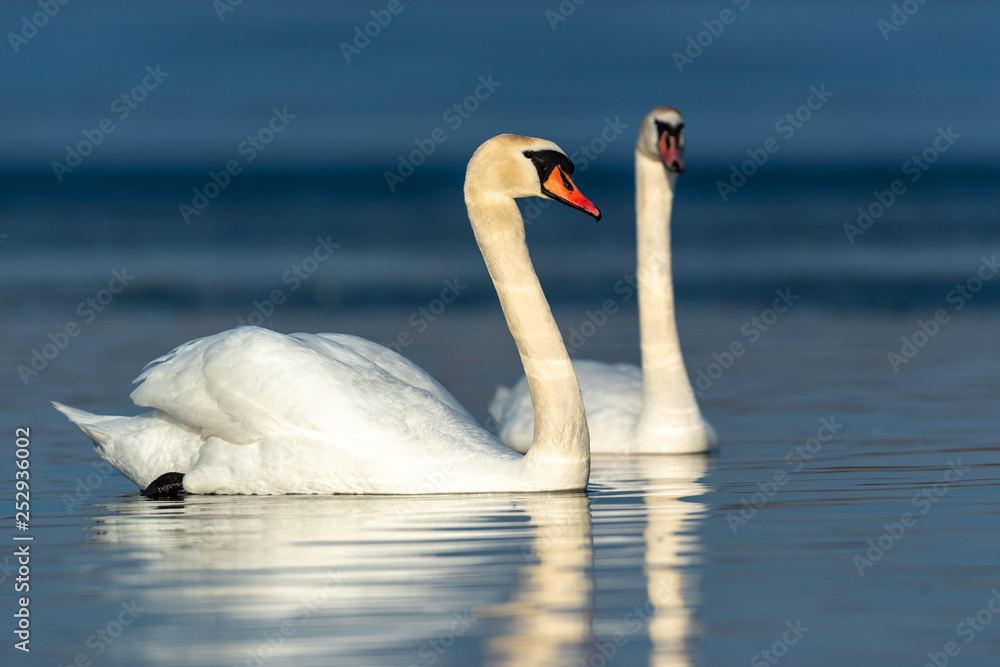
88	422
140	447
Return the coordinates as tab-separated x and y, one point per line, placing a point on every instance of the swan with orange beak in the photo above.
652	409
554	171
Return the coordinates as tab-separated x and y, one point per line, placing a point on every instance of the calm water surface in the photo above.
664	561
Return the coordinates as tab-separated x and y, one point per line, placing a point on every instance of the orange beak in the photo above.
559	186
670	153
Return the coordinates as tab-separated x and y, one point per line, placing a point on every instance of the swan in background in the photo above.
251	411
651	410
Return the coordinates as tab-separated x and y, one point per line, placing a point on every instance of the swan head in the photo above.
661	137
513	166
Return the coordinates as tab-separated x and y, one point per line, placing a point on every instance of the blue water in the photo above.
664	561
872	397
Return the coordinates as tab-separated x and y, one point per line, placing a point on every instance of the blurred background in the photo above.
351	123
355	104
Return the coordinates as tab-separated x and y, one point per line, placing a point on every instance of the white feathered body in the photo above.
613	396
256	412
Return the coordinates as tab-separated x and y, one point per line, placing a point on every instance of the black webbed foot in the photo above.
167	486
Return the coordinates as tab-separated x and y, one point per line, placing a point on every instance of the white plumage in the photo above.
256	412
648	410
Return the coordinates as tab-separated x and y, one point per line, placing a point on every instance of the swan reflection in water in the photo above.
302	580
660	494
505	579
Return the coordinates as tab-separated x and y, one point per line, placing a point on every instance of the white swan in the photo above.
651	410
256	412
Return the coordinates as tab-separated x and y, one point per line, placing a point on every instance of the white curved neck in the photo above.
561	444
666	387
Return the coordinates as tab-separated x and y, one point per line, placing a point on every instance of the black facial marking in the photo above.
672	130
546	160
